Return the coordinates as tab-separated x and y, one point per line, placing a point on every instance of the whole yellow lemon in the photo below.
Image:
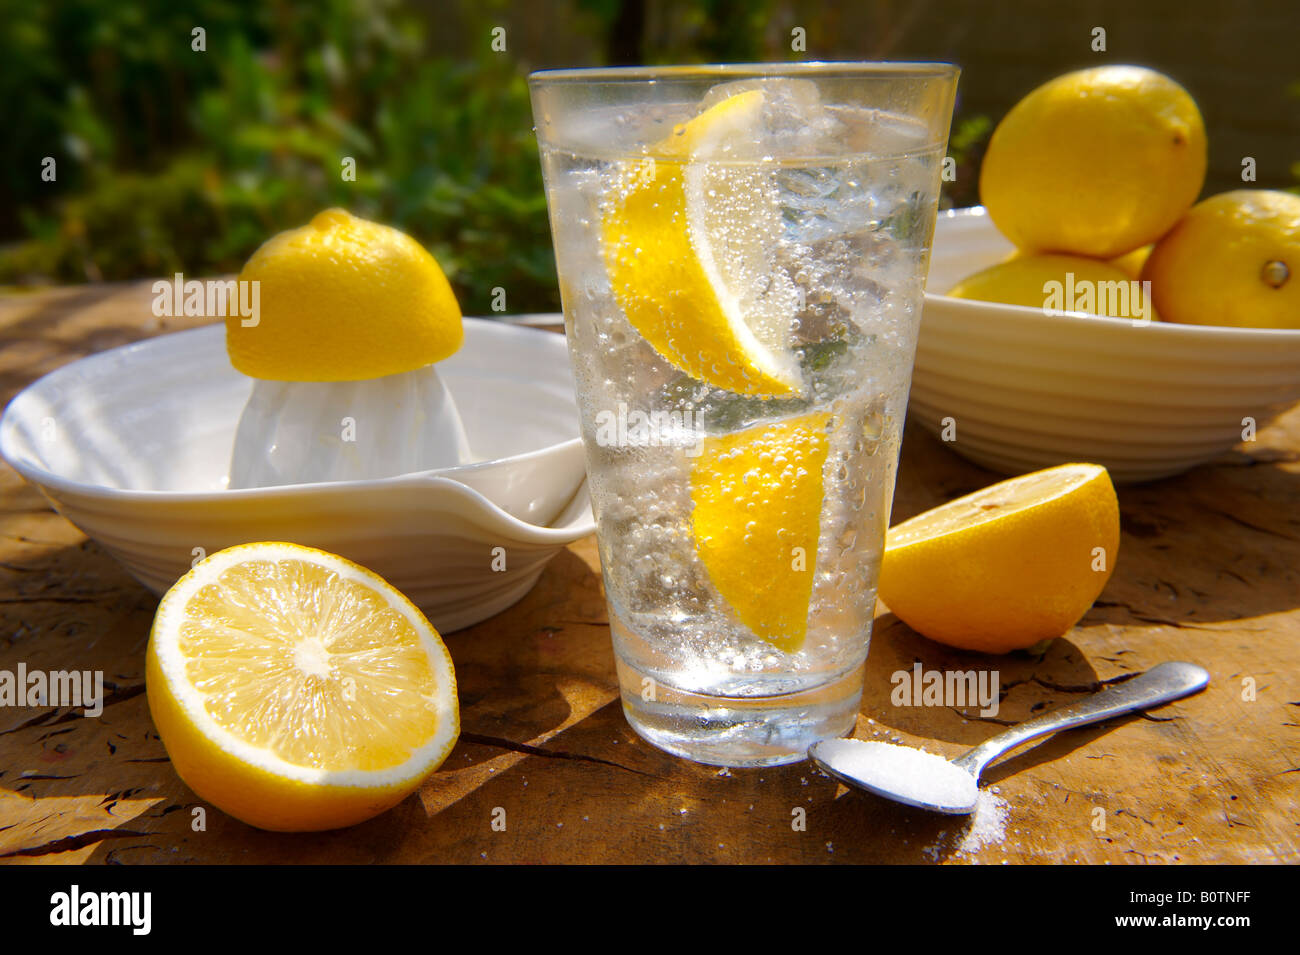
1096	162
1064	283
1234	259
1130	263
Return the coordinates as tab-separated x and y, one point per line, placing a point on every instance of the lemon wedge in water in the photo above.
687	236
757	520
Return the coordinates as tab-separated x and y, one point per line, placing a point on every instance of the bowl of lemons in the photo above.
1092	309
355	411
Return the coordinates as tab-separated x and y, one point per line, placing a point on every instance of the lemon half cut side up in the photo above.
296	690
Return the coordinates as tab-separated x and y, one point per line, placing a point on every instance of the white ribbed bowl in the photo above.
1025	390
133	446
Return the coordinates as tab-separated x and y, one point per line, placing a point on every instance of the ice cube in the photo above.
794	121
306	432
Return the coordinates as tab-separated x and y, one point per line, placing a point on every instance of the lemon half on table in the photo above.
686	235
1008	566
296	690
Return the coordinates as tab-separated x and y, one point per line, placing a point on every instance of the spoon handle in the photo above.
1160	684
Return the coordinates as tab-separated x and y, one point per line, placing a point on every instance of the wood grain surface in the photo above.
1208	571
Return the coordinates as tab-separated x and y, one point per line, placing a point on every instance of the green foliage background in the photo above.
174	160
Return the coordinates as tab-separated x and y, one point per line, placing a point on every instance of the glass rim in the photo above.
846	69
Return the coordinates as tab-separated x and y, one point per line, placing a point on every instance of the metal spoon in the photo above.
932	782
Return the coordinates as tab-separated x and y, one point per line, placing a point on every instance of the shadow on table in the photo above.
1027	685
521	674
902	690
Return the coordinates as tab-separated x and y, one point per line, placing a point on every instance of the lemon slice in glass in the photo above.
757	519
687	236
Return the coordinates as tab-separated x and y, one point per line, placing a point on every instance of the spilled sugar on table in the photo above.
547	770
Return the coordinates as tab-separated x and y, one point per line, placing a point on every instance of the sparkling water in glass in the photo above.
741	252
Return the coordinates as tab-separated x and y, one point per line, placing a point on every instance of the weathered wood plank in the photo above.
1209	571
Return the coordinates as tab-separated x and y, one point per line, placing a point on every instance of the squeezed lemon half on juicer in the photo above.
354	316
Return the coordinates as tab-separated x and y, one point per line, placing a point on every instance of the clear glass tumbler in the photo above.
741	252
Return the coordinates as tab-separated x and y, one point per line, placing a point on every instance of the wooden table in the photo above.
1208	571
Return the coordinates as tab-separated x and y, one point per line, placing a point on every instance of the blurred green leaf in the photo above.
175	160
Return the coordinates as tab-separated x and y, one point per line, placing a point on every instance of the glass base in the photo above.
739	731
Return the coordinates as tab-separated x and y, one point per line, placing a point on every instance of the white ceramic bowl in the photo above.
1028	391
133	446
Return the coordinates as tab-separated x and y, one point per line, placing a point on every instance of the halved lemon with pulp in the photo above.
296	690
1009	566
687	236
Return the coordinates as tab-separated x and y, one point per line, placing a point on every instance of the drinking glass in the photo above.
741	253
